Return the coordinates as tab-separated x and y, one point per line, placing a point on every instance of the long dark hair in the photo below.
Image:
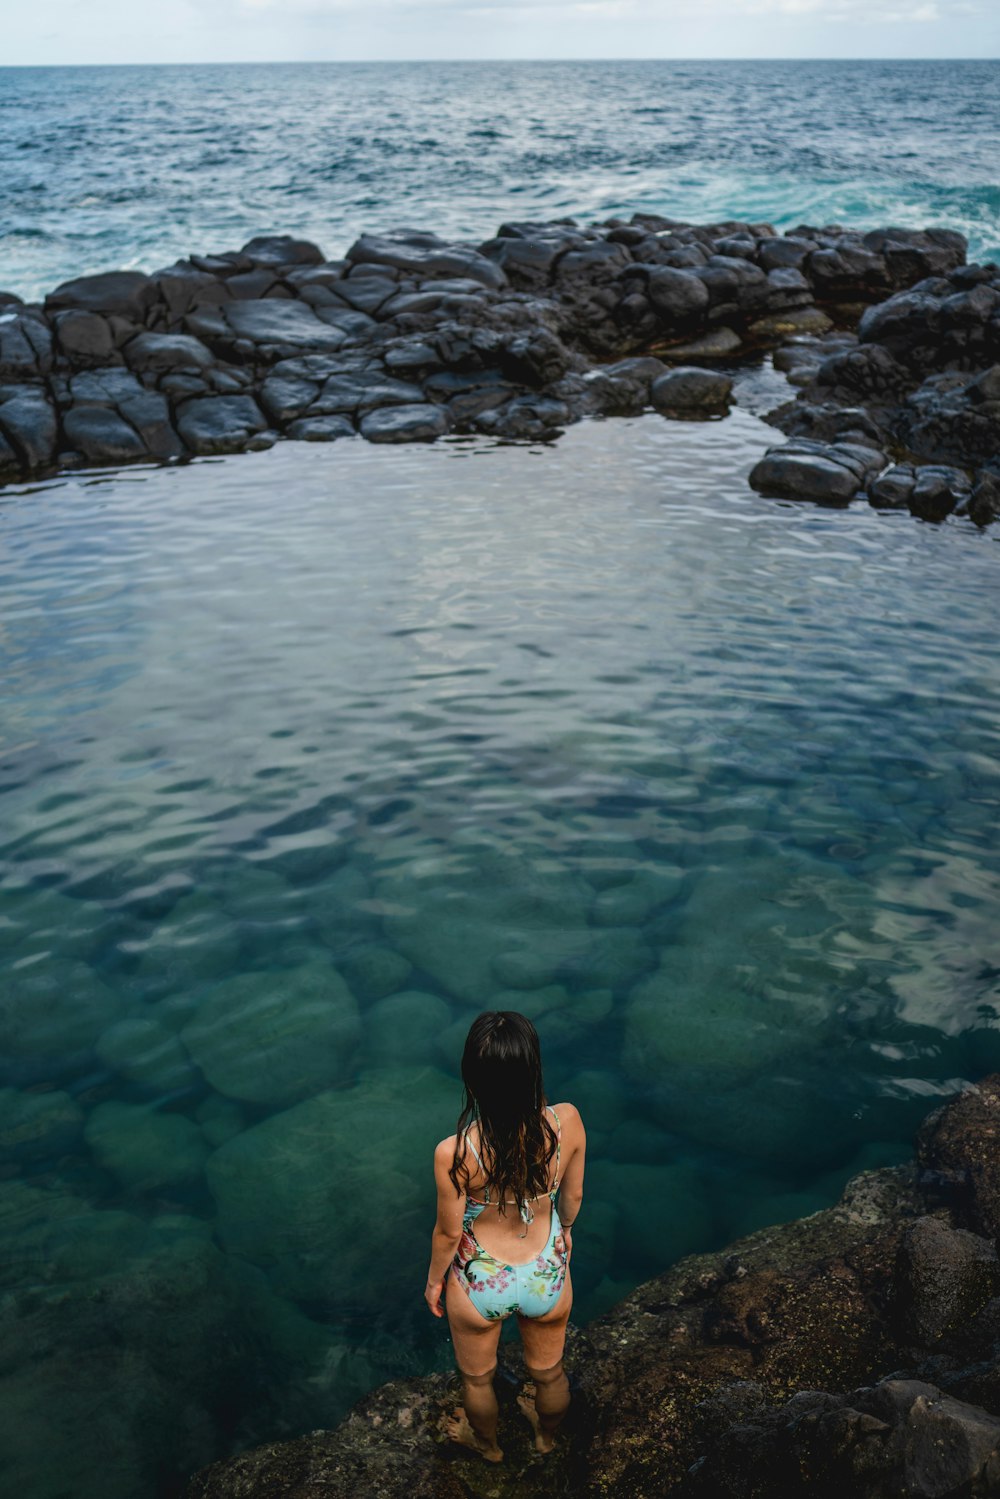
502	1073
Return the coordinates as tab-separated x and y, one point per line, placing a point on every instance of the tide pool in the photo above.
308	756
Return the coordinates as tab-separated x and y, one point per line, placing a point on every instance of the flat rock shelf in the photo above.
889	339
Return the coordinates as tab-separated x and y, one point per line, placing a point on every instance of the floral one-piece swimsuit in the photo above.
495	1289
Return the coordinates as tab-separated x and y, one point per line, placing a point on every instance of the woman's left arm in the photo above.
447	1228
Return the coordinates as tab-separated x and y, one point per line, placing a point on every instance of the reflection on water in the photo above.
310	755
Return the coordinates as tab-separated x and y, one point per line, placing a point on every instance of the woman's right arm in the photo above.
574	1160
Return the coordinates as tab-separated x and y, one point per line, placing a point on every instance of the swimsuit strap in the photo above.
486	1190
555	1184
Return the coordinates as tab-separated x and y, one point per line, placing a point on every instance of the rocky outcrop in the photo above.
410	338
856	1351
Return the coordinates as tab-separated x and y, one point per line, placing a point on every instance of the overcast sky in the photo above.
116	31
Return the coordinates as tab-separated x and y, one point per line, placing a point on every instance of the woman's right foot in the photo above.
544	1441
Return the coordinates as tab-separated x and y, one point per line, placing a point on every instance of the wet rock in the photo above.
866	371
718	343
794	321
937	490
84	337
402	1029
25	344
892	489
409	423
320	428
218	424
28	423
128	294
275	1037
282	250
687	388
678	296
425	256
102	436
826	472
984	502
167	351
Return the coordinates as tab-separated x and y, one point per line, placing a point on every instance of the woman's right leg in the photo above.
544	1339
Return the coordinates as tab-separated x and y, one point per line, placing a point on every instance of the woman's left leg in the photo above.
475	1340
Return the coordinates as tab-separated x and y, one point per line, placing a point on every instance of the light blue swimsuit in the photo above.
495	1289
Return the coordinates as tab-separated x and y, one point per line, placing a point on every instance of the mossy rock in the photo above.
37	1126
51	1014
145	1052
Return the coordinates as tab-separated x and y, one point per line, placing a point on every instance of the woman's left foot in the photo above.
458	1429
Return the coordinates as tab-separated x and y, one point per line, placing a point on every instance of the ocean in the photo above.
309	755
135	166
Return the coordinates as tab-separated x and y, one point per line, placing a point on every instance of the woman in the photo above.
498	1230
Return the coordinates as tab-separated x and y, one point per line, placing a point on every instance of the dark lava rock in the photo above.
218	424
25	344
84	337
128	293
984	502
320	428
282	250
425	255
827	472
416	423
892	490
959	1147
945	1277
900	1437
677	296
866	371
690	389
28	422
102	436
167	351
937	490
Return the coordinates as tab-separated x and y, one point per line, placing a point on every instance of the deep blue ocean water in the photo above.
307	756
135	166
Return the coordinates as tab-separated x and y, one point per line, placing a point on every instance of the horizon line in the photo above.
296	62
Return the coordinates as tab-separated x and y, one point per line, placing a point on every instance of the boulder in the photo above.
142	1050
102	436
831	473
28	423
37	1126
689	389
945	1277
275	1037
167	351
282	250
25	344
127	294
218	424
51	1014
425	256
84	337
146	1150
411	423
304	1194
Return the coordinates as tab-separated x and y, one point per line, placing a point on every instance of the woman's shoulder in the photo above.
444	1150
568	1114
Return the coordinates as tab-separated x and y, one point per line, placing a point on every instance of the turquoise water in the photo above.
135	166
308	756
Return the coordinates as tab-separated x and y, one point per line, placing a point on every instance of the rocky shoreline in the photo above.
890	340
854	1352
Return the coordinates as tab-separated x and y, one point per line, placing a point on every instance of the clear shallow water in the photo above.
135	166
307	756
